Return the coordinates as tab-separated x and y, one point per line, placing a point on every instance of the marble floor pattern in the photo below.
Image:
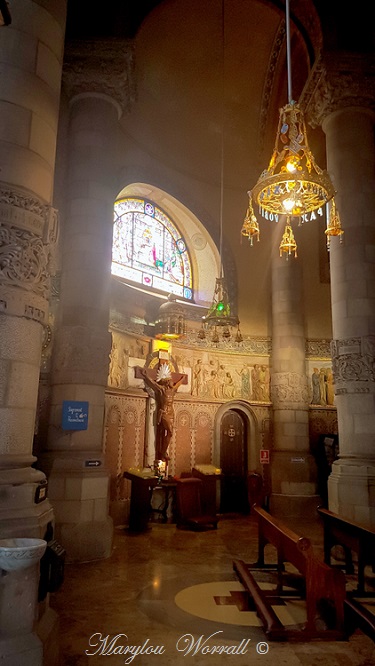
173	586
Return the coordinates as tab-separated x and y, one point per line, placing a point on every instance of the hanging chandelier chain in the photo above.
292	185
219	316
222	143
288	51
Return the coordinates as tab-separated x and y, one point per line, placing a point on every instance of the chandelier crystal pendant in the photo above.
250	228
293	184
288	243
333	224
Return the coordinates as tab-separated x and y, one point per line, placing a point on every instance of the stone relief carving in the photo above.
353	361
289	387
119	362
322	386
317	348
28	212
214	378
28	240
338	81
23	260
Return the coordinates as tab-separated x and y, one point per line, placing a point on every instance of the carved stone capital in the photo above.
28	238
353	364
337	81
289	390
101	67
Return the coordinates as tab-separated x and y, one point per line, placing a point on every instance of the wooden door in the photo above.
233	463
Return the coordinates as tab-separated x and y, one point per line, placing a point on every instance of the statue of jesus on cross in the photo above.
164	388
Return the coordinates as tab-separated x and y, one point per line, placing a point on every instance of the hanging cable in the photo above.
221	274
288	52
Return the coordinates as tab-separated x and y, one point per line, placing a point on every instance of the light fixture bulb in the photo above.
291	165
288	204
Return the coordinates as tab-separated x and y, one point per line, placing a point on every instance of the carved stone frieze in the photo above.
318	348
289	388
23	260
353	362
100	66
20	303
28	239
24	211
338	80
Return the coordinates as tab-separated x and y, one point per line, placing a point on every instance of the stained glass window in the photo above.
148	249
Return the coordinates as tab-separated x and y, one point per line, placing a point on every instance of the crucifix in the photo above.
164	384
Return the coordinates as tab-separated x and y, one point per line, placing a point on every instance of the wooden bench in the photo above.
323	587
352	537
360	540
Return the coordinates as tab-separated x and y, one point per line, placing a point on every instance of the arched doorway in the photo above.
233	463
232	456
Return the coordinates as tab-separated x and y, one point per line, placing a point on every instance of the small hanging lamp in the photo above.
333	224
288	243
170	322
250	227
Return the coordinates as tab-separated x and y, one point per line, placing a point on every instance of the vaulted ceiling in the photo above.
199	77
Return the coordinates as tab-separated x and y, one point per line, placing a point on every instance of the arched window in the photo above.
148	249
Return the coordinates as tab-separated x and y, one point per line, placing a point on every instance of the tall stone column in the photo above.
344	105
293	471
31	50
30	71
78	478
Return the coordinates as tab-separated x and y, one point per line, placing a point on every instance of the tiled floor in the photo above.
168	587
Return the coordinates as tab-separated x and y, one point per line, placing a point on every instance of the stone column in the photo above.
344	105
293	471
19	580
30	69
31	51
78	478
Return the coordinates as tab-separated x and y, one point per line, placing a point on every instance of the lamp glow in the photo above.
293	184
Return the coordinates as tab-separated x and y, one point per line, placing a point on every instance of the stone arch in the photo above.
196	226
112	411
254	440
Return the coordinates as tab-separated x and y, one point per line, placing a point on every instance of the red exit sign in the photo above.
264	456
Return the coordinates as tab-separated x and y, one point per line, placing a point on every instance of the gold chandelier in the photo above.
293	184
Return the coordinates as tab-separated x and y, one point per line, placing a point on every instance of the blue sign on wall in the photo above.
75	415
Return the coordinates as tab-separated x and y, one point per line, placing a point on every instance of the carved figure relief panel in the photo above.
321	384
222	377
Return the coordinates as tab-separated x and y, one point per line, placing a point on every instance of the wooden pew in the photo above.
323	587
352	537
361	540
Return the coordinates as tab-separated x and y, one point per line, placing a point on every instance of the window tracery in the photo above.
148	249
